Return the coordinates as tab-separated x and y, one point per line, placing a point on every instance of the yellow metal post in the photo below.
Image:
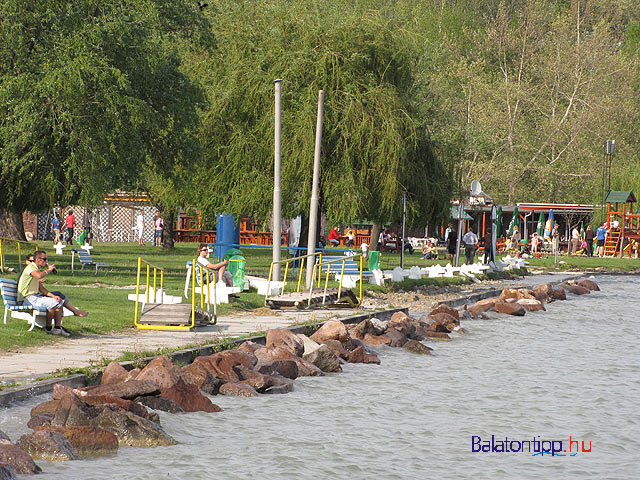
135	318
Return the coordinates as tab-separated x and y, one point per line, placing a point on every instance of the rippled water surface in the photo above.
571	371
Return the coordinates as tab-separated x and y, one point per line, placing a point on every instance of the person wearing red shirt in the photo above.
70	222
333	237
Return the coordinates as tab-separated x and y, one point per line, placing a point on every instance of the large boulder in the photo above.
337	348
482	305
363	328
509	308
376	340
259	381
442	322
248	347
284	368
238	390
590	284
331	330
379	325
417	347
198	375
398	338
542	292
17	458
442	308
47	445
531	304
515	293
131	430
575	289
558	293
114	373
323	358
305	368
309	345
87	441
221	364
128	405
127	390
174	385
285	338
158	402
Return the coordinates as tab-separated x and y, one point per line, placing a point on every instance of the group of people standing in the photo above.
158	229
69	226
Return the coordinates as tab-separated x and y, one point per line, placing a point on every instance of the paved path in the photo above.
34	362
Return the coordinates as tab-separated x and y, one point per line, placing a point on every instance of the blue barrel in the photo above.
227	234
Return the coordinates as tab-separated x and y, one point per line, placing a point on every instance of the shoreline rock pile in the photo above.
121	411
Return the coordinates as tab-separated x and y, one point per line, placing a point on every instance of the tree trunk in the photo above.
167	233
375	233
11	225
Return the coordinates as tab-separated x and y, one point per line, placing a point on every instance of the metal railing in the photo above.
317	269
202	302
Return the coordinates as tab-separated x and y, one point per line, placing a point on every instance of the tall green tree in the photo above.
375	145
92	97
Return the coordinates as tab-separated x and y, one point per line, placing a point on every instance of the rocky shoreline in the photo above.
122	411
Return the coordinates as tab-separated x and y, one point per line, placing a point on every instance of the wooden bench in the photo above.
85	259
9	290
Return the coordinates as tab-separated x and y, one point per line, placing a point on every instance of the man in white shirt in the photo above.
470	241
220	268
576	240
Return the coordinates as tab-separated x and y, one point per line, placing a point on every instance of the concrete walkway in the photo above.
34	362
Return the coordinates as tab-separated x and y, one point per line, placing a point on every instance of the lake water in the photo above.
571	371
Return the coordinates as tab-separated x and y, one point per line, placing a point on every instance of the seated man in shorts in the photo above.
30	286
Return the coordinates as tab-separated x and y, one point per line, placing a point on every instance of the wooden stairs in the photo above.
300	300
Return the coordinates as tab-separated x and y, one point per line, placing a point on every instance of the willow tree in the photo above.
92	98
375	145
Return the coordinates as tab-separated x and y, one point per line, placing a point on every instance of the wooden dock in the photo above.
174	314
300	300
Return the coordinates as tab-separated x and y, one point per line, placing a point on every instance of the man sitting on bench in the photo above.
221	267
30	286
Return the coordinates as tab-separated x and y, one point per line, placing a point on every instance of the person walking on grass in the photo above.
31	288
470	241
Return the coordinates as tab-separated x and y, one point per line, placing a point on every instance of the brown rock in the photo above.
195	373
442	308
482	305
377	339
331	330
442	322
238	390
357	355
440	336
47	445
128	405
323	358
87	441
133	374
575	289
398	317
371	358
160	371
509	308
417	347
542	292
590	284
249	347
221	364
258	381
39	419
305	369
337	348
558	293
398	339
285	338
284	368
17	458
514	293
189	398
531	305
114	373
365	327
127	390
158	402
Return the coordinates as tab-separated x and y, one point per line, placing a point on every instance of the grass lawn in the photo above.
105	295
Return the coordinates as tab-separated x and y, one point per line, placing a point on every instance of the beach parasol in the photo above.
514	221
549	226
540	228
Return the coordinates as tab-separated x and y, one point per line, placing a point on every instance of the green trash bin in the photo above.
374	260
236	268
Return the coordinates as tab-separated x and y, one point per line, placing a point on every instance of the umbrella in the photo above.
499	222
514	221
540	228
549	226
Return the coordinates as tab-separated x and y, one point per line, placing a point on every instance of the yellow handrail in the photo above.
19	243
